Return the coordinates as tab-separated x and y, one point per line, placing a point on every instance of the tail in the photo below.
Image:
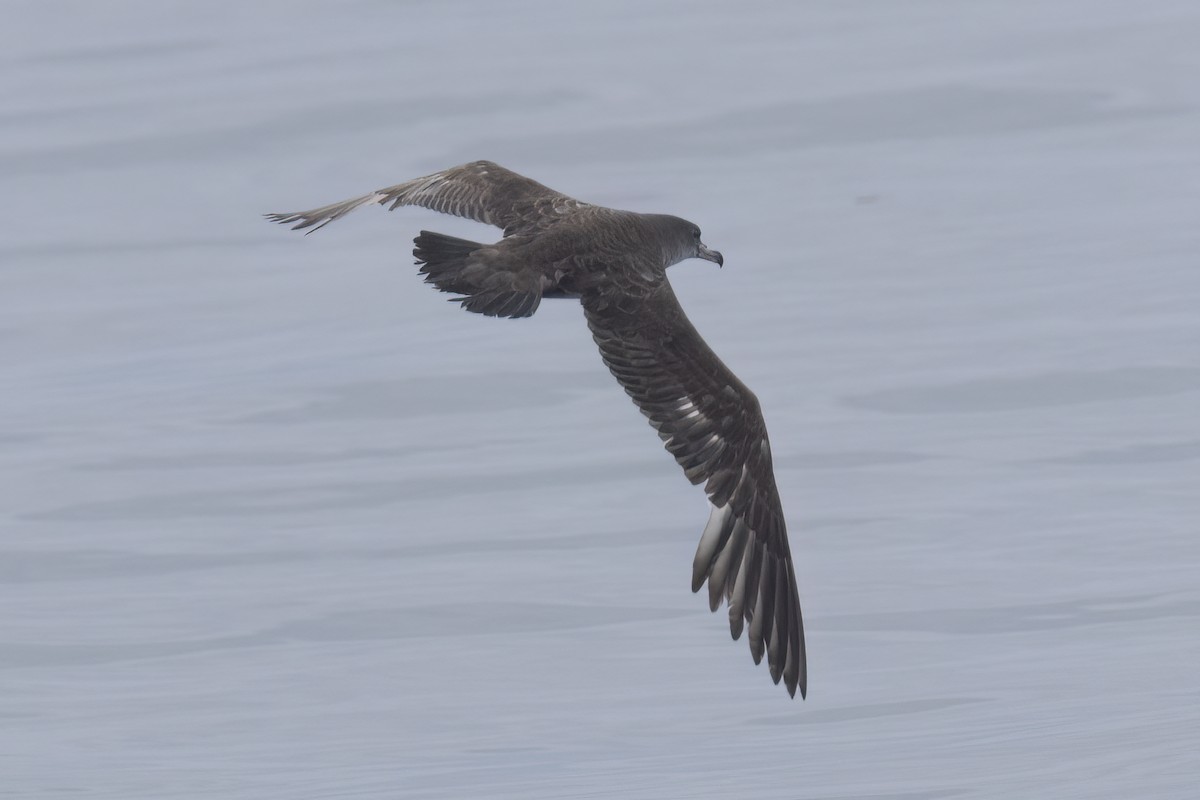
486	287
443	261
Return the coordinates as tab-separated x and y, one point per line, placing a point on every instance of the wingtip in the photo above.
300	220
714	601
280	219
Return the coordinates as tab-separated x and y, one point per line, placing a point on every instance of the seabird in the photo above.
615	262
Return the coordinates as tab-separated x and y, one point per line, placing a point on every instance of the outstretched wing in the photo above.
712	425
481	190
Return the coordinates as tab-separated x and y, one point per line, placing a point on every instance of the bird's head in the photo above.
681	241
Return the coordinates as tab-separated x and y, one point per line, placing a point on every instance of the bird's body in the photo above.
616	262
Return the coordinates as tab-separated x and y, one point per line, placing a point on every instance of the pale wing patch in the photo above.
688	409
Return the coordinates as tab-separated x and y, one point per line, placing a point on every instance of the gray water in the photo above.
277	521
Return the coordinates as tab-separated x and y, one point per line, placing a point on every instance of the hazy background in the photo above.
277	521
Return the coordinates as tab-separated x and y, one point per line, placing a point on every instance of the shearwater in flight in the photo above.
615	262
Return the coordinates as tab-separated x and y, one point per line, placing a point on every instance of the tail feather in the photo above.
443	261
486	287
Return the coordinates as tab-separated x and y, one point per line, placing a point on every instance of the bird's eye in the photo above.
696	234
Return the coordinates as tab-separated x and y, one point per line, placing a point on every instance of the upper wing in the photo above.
712	424
481	190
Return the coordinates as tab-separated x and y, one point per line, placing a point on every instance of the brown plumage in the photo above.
616	262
